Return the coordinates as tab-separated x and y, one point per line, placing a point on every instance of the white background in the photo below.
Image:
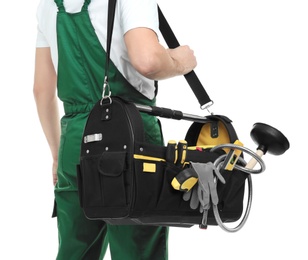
253	61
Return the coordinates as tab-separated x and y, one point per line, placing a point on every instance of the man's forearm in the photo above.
49	117
44	90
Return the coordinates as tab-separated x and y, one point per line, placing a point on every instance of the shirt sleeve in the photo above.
139	13
41	40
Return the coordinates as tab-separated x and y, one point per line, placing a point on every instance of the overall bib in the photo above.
80	79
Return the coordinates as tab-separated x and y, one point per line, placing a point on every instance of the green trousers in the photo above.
80	238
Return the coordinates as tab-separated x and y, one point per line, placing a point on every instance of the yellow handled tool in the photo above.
232	157
171	152
185	180
181	150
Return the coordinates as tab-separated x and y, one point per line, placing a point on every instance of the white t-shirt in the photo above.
129	14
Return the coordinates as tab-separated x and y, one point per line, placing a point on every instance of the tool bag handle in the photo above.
191	78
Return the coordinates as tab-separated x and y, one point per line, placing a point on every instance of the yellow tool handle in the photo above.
182	149
171	152
232	157
185	180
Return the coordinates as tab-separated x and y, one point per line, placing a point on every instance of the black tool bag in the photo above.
124	180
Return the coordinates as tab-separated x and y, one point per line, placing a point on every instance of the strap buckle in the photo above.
207	106
106	91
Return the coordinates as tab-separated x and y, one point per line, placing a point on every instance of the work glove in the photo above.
192	197
204	192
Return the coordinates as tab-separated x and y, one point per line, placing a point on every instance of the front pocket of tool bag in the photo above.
103	180
170	200
154	194
148	184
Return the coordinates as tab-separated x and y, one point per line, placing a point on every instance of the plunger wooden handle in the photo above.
252	163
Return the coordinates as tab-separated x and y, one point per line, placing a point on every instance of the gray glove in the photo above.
192	196
204	192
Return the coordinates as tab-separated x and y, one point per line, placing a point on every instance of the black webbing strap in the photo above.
191	77
172	42
110	23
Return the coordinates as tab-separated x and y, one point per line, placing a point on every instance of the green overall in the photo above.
80	79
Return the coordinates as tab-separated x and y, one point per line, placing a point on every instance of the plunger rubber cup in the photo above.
269	139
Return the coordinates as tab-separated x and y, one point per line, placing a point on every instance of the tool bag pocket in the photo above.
156	202
102	184
149	178
168	195
231	196
154	194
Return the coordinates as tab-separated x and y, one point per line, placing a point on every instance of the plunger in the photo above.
268	139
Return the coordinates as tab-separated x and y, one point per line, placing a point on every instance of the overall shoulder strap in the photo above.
60	5
86	4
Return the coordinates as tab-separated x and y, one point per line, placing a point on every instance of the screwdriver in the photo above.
182	149
171	152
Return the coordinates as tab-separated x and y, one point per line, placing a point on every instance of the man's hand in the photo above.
154	61
54	172
185	58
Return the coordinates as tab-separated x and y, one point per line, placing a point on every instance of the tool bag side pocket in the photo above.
103	179
149	177
231	195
